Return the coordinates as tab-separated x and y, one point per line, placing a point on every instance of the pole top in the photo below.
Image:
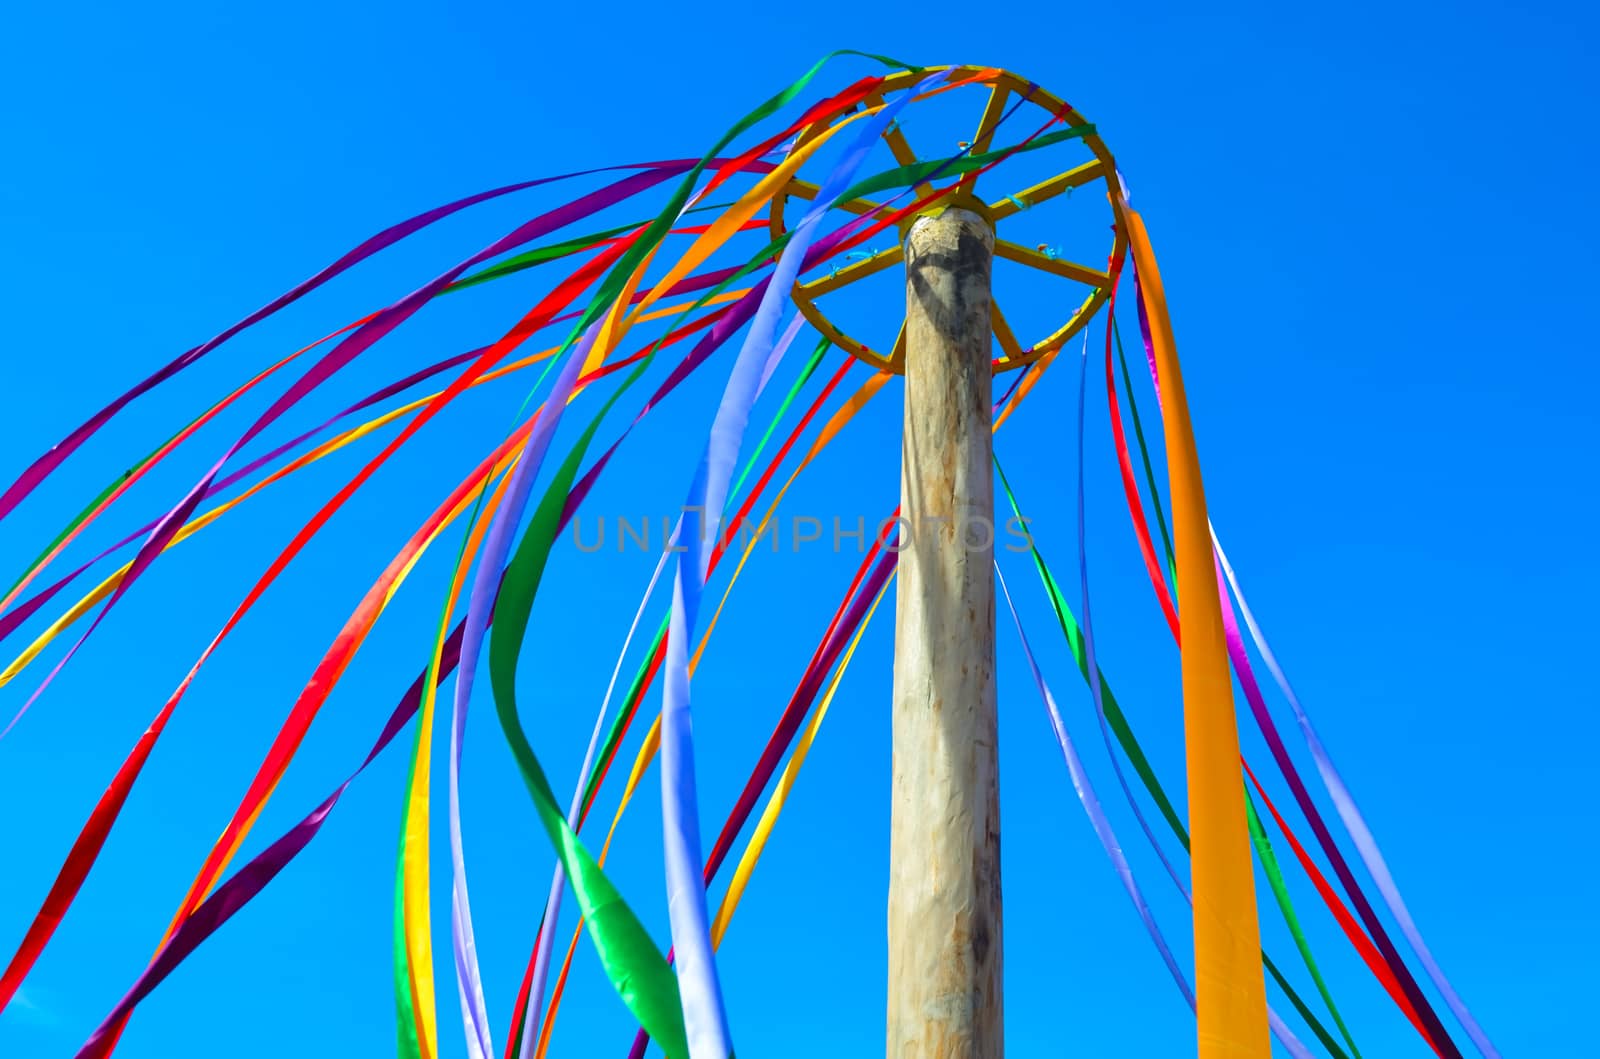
956	200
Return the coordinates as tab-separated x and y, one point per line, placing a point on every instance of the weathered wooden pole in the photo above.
944	847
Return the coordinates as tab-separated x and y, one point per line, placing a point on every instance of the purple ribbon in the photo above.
1080	780
1108	838
552	906
382	323
248	881
1280	755
46	464
480	604
25	610
704	1016
1343	801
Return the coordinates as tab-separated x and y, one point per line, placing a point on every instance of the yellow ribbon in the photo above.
652	740
780	793
419	933
326	448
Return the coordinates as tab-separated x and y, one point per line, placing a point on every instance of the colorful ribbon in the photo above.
604	299
1230	992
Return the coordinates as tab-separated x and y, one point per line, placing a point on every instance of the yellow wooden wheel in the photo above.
1005	90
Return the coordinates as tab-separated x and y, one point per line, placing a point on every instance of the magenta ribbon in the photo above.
1108	838
552	907
252	878
1344	804
1080	779
704	1015
13	618
47	463
1291	775
385	321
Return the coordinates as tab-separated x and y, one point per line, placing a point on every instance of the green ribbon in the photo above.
618	277
902	176
636	687
635	966
1258	834
87	509
633	963
520	263
1141	764
1269	863
405	1010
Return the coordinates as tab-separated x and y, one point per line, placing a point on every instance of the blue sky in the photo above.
1379	254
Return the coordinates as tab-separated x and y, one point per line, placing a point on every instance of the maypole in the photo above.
944	904
944	848
945	916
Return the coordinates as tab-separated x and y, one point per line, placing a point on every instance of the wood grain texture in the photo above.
944	891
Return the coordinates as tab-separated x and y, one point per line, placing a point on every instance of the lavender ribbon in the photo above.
382	323
552	906
480	603
1354	823
705	1019
46	464
1090	663
11	619
552	903
1344	803
1096	690
1108	838
1091	805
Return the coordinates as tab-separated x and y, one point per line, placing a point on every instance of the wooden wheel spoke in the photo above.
897	355
893	136
985	134
850	273
898	146
803	189
1053	265
1049	189
1009	345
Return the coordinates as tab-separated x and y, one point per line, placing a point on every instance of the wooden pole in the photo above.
944	848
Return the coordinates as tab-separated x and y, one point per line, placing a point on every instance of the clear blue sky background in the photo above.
1376	234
